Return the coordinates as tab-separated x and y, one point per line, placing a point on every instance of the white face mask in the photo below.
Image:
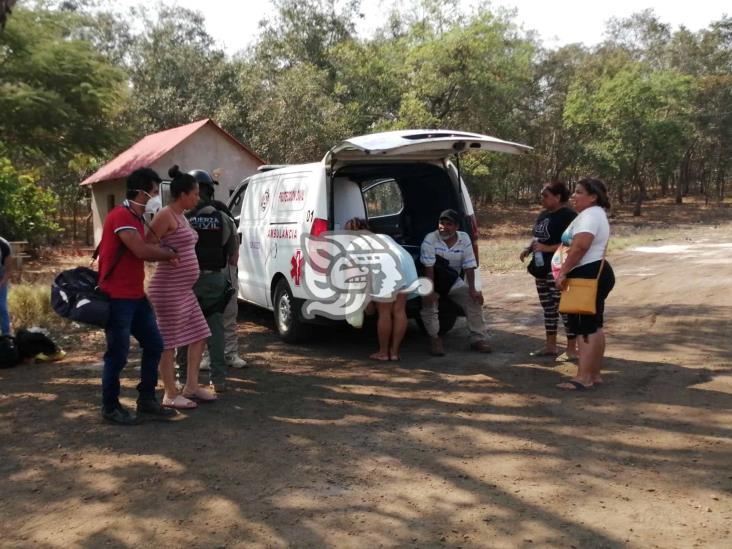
153	205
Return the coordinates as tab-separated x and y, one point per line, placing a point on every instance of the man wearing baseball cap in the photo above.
445	253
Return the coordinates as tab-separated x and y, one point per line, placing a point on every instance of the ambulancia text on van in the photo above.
399	181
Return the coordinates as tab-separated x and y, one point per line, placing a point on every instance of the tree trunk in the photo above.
720	177
679	189
88	220
682	185
637	205
74	213
6	6
639	198
720	185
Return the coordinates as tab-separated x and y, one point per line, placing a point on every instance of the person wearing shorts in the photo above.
582	255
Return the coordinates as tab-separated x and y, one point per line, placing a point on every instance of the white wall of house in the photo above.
207	149
104	195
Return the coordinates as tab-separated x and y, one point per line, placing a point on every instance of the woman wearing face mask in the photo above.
582	255
179	315
547	232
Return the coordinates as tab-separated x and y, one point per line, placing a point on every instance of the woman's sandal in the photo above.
544	352
180	402
379	357
201	395
573	385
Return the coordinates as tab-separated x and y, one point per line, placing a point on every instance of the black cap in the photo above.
452	215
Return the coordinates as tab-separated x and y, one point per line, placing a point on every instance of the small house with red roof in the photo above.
201	145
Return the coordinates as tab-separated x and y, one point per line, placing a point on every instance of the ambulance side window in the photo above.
237	200
382	198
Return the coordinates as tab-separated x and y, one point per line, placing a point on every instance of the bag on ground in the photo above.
9	356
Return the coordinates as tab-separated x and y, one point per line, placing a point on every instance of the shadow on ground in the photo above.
318	446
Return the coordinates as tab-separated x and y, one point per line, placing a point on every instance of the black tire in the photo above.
288	314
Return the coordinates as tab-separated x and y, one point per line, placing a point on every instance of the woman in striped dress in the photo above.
179	315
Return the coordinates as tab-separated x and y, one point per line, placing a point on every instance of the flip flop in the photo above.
572	385
201	395
376	356
394	358
179	403
544	352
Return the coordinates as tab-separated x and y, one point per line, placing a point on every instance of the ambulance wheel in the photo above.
288	314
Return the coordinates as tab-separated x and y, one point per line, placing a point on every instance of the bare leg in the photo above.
399	326
551	343
591	350
572	347
167	373
195	352
383	329
599	353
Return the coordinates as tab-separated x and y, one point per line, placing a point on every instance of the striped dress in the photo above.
171	291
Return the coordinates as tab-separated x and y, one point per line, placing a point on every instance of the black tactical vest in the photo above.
210	246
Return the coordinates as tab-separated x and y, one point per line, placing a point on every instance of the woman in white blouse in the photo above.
584	246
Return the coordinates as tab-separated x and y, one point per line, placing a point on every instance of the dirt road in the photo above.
317	446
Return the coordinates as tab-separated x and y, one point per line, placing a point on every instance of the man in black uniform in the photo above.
217	247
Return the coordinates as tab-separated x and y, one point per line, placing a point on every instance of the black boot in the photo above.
150	408
120	416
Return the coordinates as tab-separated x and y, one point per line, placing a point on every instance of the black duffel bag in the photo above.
75	295
9	355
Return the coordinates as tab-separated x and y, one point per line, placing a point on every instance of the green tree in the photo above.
305	31
177	74
27	208
633	125
57	95
295	120
6	8
559	148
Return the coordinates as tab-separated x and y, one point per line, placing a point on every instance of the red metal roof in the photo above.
150	148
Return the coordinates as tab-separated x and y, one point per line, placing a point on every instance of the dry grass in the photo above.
500	255
506	230
30	305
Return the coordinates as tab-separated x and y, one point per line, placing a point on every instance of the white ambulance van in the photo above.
400	181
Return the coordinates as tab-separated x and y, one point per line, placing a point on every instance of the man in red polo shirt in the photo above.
122	255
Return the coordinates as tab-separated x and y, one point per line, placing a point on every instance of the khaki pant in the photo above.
209	290
460	294
231	346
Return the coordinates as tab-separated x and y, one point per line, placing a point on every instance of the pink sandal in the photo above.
201	395
179	403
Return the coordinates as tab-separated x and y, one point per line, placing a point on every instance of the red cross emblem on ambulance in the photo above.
296	271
